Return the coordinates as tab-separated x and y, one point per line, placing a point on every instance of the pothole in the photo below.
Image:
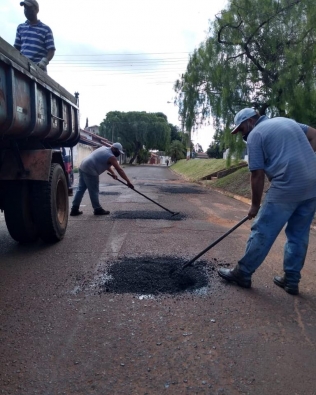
180	189
153	276
109	193
148	215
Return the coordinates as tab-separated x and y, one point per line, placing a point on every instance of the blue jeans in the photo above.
87	181
272	217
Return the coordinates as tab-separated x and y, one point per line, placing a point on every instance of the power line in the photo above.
124	54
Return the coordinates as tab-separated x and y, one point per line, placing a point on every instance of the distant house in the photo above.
93	129
154	159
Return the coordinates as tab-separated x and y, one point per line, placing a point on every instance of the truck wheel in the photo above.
18	212
51	206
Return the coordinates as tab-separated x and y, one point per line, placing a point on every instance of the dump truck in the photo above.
38	119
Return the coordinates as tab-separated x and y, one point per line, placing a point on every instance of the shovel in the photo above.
171	212
178	270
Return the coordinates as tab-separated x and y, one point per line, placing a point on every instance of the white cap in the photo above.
241	117
119	147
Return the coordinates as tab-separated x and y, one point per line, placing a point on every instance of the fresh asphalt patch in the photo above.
152	276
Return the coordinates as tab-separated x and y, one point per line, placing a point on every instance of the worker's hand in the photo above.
114	176
130	185
43	63
253	211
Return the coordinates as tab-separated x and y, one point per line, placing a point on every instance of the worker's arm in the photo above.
17	42
50	54
45	61
257	185
120	171
311	135
110	170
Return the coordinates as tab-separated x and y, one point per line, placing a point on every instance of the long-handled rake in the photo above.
174	271
171	212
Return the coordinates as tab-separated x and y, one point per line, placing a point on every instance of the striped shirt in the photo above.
34	41
279	146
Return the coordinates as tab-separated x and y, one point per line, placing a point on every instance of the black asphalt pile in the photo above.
180	189
109	193
147	215
153	276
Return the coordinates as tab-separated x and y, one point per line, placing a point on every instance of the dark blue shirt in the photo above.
34	41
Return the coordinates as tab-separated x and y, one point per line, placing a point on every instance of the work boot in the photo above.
235	275
75	211
100	211
282	282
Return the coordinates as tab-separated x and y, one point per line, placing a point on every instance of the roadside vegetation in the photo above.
258	53
237	183
196	169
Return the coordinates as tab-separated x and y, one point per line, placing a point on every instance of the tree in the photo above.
198	148
259	53
215	149
143	156
176	150
136	131
175	133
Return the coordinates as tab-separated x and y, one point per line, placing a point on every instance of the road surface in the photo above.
63	330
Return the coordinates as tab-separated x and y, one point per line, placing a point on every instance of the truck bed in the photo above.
33	105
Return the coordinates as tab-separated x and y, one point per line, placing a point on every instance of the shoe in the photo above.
234	275
101	211
75	211
288	287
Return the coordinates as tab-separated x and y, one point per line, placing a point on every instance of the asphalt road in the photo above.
64	331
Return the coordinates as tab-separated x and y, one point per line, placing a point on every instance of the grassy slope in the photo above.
237	183
195	169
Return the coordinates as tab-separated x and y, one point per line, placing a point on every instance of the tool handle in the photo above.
215	242
171	212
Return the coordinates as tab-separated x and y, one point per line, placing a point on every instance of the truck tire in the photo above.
18	212
51	207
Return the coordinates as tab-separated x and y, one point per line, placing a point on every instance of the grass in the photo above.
237	183
196	169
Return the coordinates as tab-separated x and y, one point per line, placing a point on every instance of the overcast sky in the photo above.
122	55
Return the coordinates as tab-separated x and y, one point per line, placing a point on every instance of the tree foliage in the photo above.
259	53
215	149
137	131
175	133
143	156
176	150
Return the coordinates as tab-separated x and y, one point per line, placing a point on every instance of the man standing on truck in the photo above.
99	161
33	38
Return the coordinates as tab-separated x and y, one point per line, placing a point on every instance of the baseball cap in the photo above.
242	116
30	3
119	147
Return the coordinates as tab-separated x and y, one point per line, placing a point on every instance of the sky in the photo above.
121	55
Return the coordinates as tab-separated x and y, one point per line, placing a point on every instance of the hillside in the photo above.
237	183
